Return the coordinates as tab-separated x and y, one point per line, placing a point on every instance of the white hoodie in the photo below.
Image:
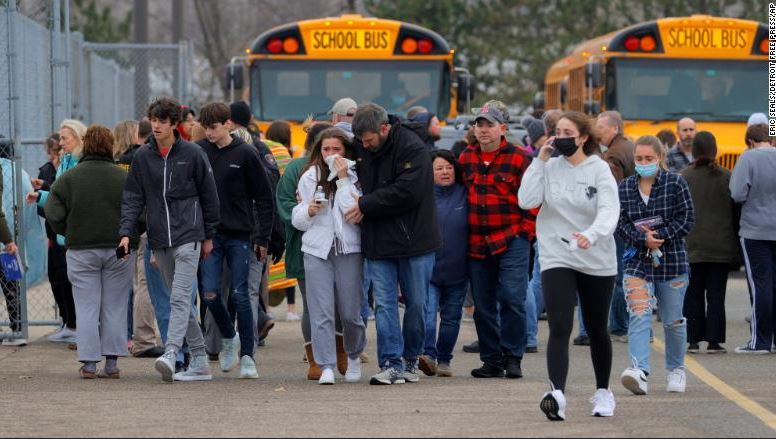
573	199
320	230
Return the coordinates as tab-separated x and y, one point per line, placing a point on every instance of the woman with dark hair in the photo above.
711	246
577	197
85	206
332	253
188	121
449	280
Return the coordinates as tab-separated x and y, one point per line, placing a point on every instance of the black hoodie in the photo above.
242	185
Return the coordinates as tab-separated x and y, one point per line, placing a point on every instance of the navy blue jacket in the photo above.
451	266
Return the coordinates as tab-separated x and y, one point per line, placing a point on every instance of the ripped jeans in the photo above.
642	296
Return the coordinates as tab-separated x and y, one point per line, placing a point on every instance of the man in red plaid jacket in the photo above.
499	242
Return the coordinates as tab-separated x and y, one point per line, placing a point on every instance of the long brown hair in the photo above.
585	127
704	150
317	162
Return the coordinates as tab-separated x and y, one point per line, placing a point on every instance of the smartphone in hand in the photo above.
121	253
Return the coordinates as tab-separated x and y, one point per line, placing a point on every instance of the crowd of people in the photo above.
580	220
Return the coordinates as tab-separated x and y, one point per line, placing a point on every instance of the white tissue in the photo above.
330	162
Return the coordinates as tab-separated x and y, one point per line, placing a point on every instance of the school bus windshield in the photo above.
706	90
294	89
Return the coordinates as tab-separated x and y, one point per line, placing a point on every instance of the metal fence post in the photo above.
55	29
181	67
14	73
67	64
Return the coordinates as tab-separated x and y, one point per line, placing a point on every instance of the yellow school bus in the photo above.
303	68
711	69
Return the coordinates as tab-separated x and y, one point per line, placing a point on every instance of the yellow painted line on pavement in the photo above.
751	406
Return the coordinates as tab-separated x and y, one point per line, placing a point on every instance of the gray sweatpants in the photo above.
335	284
101	286
178	266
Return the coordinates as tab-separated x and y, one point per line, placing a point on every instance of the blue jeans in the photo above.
395	342
618	315
534	302
448	301
499	285
237	254
160	298
642	296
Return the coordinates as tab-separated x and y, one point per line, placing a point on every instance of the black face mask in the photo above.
565	145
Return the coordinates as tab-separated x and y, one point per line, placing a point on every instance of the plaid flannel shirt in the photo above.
670	200
494	215
676	159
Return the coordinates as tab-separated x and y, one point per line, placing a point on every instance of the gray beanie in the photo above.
534	127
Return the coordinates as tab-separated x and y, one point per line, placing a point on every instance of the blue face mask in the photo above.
647	170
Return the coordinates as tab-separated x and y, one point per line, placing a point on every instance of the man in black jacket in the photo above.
242	184
171	180
399	235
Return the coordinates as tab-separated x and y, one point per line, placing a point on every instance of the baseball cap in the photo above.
344	107
757	119
493	112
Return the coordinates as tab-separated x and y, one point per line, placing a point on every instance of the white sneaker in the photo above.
17	342
677	381
554	405
353	374
248	368
230	353
66	335
198	370
327	377
635	380
292	317
603	403
165	365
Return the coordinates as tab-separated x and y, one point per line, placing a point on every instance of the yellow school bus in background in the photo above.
711	69
303	68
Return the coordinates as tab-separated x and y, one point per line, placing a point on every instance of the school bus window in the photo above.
659	89
293	84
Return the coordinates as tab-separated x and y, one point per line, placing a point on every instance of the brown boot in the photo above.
313	372
342	356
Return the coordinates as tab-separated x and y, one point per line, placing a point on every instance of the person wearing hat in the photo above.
536	134
757	119
499	242
426	126
342	115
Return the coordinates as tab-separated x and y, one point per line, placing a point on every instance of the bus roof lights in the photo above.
425	46
764	46
290	45
409	46
275	46
632	44
648	43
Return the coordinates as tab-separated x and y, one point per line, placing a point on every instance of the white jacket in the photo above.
320	230
573	199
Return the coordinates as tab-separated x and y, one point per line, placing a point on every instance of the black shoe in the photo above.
715	348
582	340
154	352
693	348
531	350
179	367
488	371
473	348
512	367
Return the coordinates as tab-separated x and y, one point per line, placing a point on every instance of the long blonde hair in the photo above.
657	146
124	135
79	131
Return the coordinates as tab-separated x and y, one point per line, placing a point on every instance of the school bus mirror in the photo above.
234	76
594	75
592	107
538	101
467	86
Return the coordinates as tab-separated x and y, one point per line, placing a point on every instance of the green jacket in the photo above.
85	204
713	238
286	201
5	233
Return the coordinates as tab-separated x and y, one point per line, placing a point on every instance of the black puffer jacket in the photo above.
179	192
398	202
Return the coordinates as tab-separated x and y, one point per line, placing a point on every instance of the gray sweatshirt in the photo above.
753	183
573	199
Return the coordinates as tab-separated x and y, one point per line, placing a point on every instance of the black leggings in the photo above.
560	287
60	285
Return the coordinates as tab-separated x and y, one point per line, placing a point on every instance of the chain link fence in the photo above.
48	74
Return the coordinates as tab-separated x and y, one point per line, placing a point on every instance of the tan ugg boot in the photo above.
313	372
342	356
